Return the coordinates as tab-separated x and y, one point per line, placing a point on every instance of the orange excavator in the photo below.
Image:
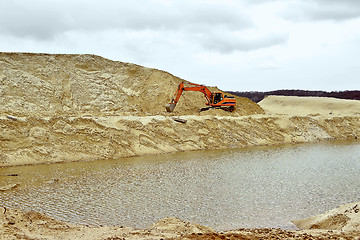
214	99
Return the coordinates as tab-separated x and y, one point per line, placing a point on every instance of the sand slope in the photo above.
33	140
309	105
345	218
77	85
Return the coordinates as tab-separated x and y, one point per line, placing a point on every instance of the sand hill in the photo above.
77	85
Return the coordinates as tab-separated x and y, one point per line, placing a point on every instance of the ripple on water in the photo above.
223	189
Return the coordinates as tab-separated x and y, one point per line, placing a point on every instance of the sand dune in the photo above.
309	105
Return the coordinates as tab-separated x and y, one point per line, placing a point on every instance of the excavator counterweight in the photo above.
214	99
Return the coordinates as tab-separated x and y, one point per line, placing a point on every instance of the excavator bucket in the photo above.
170	107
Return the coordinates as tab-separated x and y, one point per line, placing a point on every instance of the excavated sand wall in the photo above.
61	139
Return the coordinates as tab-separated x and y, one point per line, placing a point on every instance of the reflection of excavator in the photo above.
214	99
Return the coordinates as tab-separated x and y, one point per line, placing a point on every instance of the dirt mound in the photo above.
345	218
52	85
175	225
309	105
16	224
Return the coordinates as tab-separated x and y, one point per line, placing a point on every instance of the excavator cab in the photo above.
218	97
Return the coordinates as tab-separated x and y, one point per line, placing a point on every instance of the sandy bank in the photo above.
345	218
16	224
33	140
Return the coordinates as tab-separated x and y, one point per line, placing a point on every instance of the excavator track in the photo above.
228	109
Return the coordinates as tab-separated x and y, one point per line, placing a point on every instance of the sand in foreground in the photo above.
16	224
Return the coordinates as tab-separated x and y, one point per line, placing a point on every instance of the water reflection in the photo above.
223	189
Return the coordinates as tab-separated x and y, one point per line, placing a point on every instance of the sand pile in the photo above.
309	105
15	224
63	85
345	218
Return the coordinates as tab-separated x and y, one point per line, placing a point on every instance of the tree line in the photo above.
258	96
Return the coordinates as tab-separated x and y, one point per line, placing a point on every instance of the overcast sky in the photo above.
243	45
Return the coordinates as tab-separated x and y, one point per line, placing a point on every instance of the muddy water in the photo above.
223	189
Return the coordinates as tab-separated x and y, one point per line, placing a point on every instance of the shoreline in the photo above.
17	224
36	140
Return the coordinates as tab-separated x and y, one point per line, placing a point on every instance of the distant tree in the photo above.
258	96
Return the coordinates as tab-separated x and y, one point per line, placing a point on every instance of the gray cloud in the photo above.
184	37
38	20
228	43
352	3
46	19
334	10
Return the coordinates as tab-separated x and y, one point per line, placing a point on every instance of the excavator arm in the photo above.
214	99
196	87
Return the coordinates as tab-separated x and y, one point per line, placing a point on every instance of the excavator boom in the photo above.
216	99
